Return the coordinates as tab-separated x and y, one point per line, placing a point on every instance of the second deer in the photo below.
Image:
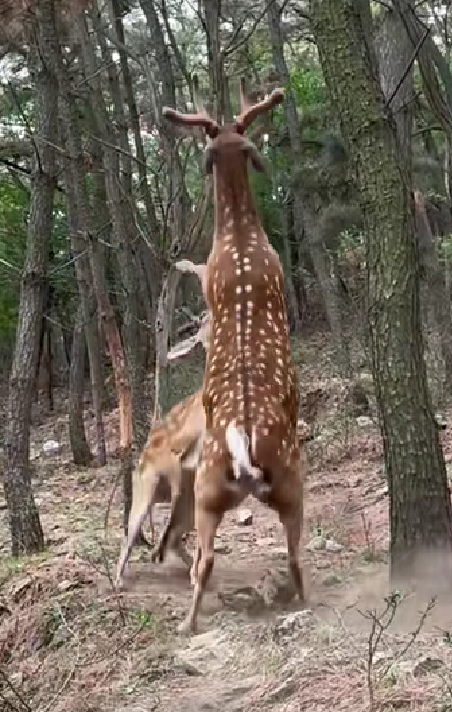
167	464
250	391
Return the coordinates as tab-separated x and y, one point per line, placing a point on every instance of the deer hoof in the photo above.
187	559
187	626
144	541
262	491
157	555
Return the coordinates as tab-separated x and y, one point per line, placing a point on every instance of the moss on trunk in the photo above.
420	507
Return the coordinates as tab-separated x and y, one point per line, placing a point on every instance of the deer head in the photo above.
227	143
203	334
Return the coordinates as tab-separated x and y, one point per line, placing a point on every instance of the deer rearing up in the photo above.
250	384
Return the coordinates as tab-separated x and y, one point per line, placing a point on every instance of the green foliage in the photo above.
14	206
268	206
308	86
444	244
144	618
13	236
61	268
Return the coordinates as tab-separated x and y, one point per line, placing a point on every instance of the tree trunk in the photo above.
329	289
290	111
144	255
25	526
86	237
395	50
438	295
293	310
394	56
212	16
124	234
79	445
420	506
134	121
87	297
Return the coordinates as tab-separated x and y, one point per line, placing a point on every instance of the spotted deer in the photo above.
250	389
167	464
168	461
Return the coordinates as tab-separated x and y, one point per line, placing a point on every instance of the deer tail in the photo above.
237	442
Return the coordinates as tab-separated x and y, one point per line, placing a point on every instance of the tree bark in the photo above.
25	526
394	55
420	506
134	121
84	279
438	294
124	234
151	226
329	287
394	51
77	437
86	236
290	111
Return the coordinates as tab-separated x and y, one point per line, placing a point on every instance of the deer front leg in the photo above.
172	536
206	526
181	516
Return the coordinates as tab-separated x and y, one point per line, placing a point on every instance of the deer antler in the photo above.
191	268
249	112
201	118
245	103
201	337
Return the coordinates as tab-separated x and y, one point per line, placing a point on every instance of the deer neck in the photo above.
235	210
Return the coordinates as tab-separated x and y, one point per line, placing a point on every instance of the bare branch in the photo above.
231	47
408	67
15	148
26	122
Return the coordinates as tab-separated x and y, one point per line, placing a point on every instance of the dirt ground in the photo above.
69	642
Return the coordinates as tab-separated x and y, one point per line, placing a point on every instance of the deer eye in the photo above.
175	250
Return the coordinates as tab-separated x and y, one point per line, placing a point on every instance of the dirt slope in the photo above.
69	642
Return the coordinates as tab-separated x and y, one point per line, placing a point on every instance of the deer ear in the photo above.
208	160
257	161
255	157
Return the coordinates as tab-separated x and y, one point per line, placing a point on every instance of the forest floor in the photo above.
70	643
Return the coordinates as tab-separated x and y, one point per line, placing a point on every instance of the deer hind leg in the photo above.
195	565
137	516
207	523
292	522
288	502
145	484
172	534
181	517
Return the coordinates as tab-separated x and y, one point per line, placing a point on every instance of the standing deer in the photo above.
250	390
167	465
